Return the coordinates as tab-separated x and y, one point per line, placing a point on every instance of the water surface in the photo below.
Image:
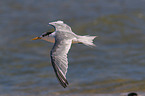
114	68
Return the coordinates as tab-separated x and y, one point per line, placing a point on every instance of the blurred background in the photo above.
115	67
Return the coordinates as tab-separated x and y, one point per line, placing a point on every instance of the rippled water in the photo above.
114	68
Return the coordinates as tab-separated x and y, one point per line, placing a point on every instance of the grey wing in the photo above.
59	60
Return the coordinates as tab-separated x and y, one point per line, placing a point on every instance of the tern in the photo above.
62	37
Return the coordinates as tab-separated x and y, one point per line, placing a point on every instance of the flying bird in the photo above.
62	37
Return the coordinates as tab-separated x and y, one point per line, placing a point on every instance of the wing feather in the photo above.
59	59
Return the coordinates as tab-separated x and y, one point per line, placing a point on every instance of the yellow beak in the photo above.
36	38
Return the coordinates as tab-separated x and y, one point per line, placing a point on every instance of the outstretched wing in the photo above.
59	59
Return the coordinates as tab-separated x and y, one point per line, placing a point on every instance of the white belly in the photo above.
52	40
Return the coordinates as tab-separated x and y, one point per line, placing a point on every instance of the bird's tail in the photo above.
87	40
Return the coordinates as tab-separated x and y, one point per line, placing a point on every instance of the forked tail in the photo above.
87	40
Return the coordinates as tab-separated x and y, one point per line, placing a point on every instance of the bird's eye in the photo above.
46	34
43	35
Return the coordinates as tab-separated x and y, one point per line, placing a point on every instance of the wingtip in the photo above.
59	22
96	37
64	84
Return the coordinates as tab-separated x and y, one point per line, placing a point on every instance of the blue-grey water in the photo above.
114	68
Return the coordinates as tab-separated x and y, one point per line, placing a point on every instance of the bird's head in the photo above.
54	27
46	35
